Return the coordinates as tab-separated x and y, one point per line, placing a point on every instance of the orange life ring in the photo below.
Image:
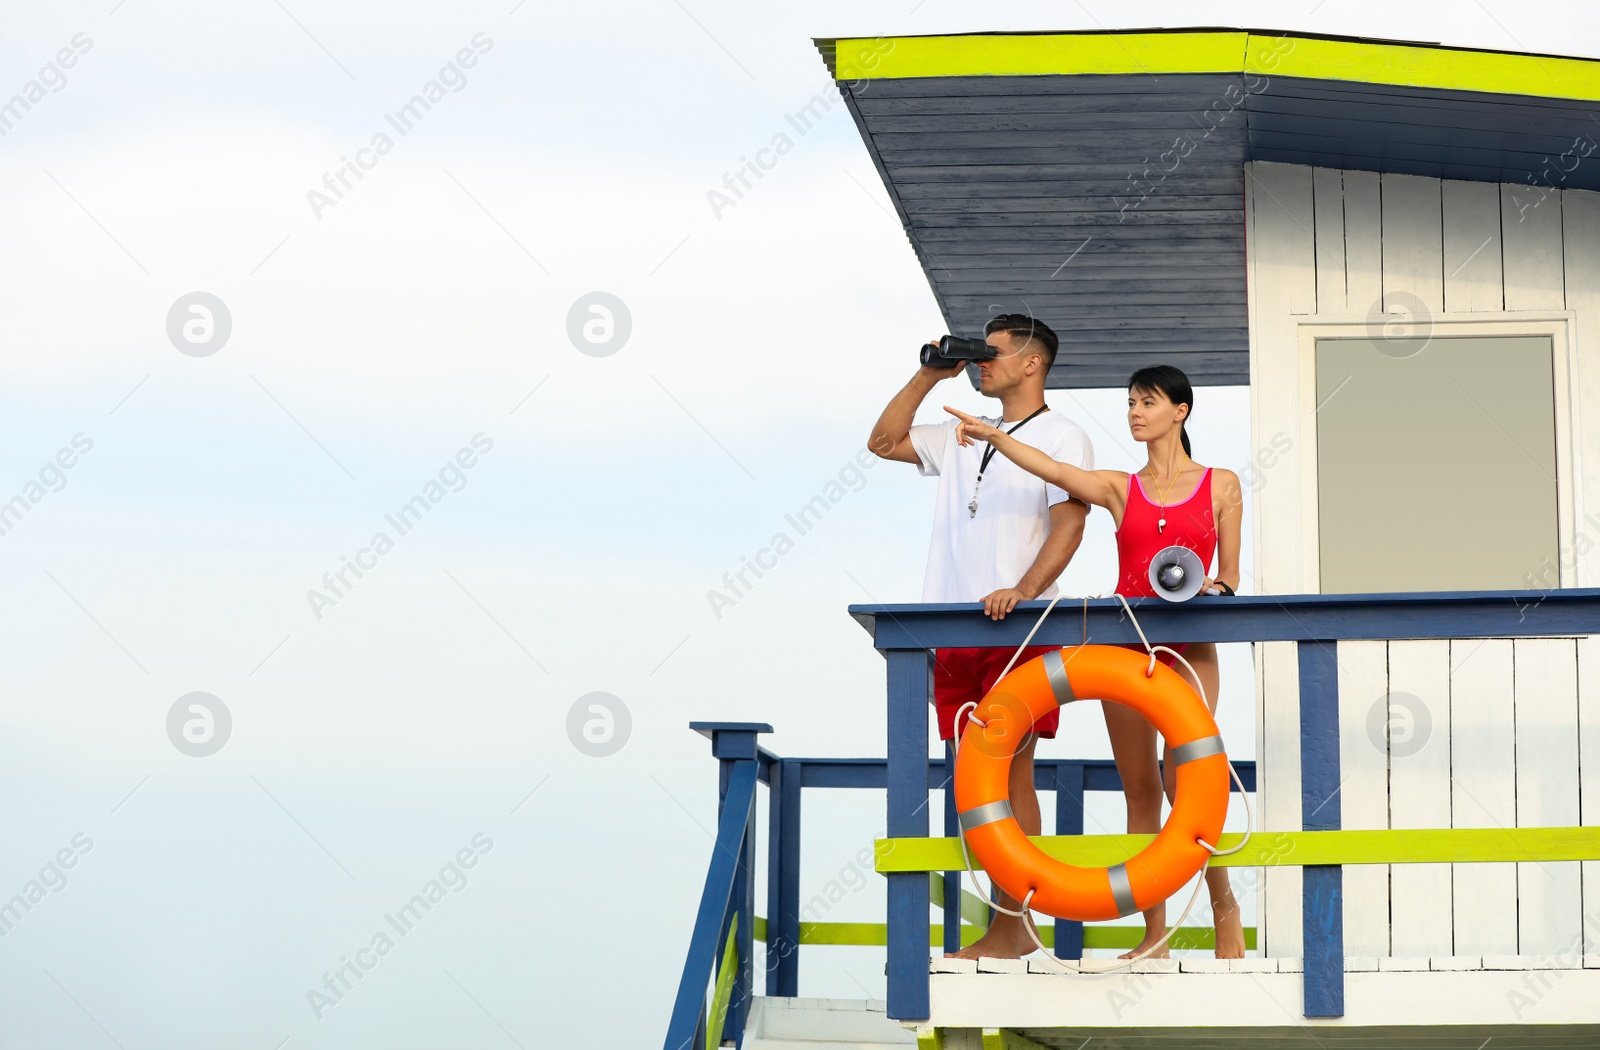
983	767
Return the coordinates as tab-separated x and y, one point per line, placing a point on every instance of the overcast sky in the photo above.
408	333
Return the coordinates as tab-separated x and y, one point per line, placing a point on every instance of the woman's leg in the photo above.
1133	744
1224	909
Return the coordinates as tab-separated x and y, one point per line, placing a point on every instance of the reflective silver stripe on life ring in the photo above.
1122	890
1205	747
1056	669
988	813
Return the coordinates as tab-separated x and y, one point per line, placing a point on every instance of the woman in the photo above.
1172	500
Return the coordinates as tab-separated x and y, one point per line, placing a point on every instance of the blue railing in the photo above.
905	635
727	902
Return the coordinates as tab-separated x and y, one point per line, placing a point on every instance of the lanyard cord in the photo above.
983	465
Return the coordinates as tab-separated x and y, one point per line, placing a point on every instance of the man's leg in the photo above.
1007	938
957	680
1025	806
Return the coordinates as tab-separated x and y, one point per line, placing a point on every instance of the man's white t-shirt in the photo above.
971	555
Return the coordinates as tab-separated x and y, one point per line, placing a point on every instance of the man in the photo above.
1000	536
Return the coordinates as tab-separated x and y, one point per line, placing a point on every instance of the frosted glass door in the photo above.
1436	464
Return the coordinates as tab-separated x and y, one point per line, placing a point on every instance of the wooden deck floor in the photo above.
1458	1002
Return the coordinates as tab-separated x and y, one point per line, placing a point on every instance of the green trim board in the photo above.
973	910
717	1014
1032	54
989	1038
1399	65
1294	848
1391	63
1104	935
1005	1039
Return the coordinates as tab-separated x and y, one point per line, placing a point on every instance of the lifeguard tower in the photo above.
1397	246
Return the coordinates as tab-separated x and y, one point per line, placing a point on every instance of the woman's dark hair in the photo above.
1164	379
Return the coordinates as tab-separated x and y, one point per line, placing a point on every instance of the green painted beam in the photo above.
973	910
1003	1039
1293	848
1217	51
1408	65
1027	54
870	934
718	1013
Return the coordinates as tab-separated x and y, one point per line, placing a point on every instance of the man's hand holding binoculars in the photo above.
944	358
937	369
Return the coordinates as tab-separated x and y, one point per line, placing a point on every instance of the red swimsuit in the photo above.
1189	524
1140	538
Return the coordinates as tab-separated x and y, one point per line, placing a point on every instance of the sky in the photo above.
510	358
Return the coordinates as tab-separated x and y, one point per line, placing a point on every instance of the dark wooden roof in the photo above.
1111	205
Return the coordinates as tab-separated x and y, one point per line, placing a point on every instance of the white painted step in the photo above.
823	1024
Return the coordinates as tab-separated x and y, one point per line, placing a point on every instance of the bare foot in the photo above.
1151	936
1005	939
1230	929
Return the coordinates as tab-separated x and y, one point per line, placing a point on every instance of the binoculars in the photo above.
952	350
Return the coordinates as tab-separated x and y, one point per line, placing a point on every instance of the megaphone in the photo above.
1176	573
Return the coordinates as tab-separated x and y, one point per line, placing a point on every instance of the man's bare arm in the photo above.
1066	534
891	435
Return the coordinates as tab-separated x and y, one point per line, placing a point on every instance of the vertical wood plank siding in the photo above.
1512	729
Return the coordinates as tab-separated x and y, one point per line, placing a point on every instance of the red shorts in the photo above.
963	676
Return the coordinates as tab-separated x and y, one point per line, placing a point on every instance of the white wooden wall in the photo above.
1515	725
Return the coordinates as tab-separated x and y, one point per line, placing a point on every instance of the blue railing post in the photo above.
783	878
952	879
1322	923
910	685
1069	787
729	888
735	747
744	906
